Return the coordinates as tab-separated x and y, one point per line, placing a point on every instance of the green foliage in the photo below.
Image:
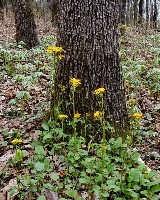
63	160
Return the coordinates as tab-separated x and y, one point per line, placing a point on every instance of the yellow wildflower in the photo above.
75	82
60	57
99	91
63	116
138	115
62	87
77	115
16	141
54	49
48	50
97	115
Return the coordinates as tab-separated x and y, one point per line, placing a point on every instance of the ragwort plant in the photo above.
64	162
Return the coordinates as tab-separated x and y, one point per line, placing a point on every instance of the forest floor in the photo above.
134	50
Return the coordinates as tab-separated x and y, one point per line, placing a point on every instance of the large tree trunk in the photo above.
25	25
87	30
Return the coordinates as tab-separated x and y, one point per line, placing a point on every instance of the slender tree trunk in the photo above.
25	25
54	9
151	13
147	13
88	33
135	11
155	14
123	11
1	10
141	5
128	12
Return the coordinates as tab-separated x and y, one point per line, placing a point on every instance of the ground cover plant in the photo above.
42	159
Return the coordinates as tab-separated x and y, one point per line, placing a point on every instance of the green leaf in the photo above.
48	186
54	176
157	107
40	150
4	143
71	193
155	188
42	197
118	142
83	180
97	190
110	167
45	126
156	197
135	174
149	117
39	166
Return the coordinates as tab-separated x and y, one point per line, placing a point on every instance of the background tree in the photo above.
88	33
25	25
147	12
123	4
155	14
1	9
135	11
141	7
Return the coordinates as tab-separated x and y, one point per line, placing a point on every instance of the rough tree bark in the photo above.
25	25
87	30
147	11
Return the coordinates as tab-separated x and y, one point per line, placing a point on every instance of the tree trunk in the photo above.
123	11
1	10
141	5
25	25
147	11
155	14
135	11
88	33
128	12
54	7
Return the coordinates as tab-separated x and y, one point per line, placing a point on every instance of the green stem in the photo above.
103	140
17	177
74	112
62	130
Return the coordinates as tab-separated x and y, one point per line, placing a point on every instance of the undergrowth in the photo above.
65	162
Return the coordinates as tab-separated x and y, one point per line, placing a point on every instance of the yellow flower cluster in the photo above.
62	87
97	115
54	49
63	116
60	57
138	115
16	141
99	91
77	115
75	82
